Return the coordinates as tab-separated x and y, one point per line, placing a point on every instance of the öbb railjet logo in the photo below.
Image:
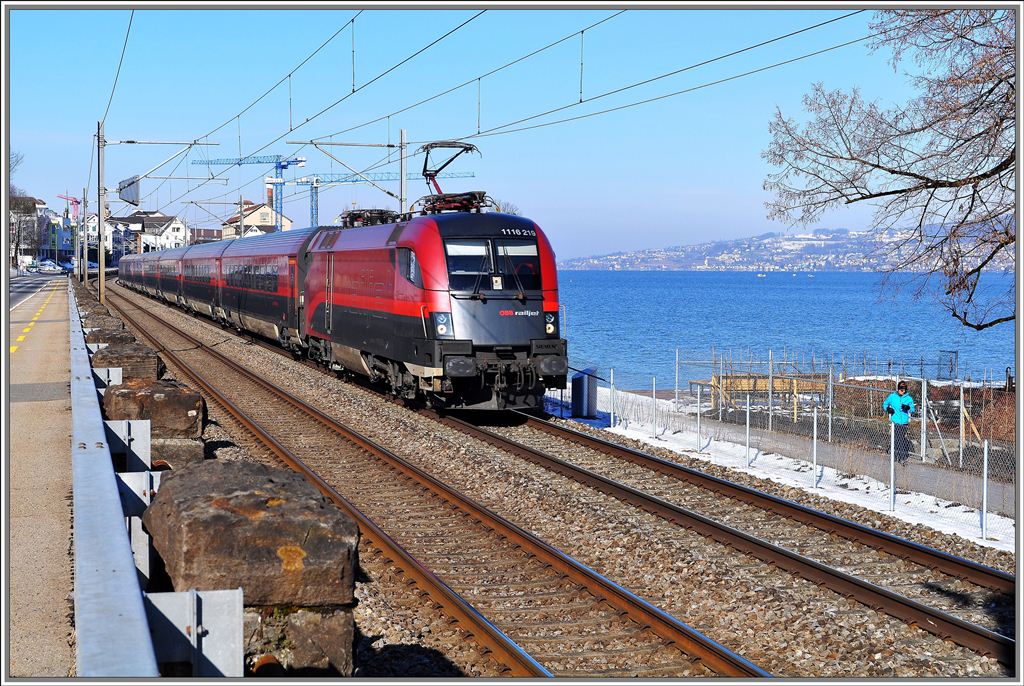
521	313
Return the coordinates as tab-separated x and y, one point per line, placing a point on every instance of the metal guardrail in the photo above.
111	629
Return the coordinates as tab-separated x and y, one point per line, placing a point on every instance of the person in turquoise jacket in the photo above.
899	406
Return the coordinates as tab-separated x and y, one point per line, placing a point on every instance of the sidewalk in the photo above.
39	487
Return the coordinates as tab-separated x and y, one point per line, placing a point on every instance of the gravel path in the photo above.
787	626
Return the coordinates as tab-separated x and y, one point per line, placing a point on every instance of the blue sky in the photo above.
682	170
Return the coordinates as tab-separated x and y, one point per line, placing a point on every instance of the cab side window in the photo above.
409	267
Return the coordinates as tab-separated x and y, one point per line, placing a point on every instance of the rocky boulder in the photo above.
173	409
101	321
109	336
230	524
136	361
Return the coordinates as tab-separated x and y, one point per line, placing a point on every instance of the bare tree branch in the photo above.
940	169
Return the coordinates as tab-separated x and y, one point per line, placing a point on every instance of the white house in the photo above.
152	230
259	219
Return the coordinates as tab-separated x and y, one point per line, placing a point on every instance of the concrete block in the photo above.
136	361
109	336
173	409
229	524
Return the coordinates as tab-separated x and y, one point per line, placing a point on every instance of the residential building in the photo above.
55	238
152	230
258	219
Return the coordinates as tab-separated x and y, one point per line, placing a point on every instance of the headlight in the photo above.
551	323
442	323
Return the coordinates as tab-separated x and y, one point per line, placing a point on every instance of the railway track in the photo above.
956	599
535	609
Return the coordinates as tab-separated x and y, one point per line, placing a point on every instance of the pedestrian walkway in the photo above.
39	486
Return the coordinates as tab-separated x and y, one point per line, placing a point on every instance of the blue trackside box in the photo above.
584	394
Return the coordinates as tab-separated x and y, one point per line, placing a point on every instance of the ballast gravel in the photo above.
787	626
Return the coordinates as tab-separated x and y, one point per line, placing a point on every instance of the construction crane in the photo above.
316	181
75	202
280	163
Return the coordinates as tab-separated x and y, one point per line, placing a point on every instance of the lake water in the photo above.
633	321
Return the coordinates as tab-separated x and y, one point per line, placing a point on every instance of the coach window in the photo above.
409	267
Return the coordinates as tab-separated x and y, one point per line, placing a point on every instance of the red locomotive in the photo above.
459	307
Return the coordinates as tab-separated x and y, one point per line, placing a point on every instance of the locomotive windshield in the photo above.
493	265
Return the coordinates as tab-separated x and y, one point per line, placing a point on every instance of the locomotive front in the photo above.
496	327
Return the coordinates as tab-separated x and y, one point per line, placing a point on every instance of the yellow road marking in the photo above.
13	348
27	329
20	338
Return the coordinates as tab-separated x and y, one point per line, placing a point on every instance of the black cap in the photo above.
901	386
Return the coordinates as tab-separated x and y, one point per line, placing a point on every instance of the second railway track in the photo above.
956	599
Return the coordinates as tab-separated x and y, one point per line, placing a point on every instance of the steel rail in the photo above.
952	565
880	599
712	654
489	636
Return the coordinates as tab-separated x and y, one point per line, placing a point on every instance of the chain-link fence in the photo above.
821	426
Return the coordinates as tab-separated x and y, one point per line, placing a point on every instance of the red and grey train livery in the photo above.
458	307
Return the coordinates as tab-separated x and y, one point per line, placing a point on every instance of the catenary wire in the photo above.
266	93
441	94
285	77
341	99
475	78
496	131
119	63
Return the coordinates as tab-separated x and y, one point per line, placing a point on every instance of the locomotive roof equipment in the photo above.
430	172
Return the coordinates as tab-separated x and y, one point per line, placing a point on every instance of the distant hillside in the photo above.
821	250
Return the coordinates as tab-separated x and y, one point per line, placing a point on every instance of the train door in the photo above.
329	286
216	287
293	296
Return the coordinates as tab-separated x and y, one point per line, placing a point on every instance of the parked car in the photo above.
50	267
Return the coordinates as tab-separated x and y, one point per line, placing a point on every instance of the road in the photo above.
24	286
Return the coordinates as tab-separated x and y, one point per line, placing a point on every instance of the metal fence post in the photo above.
612	383
892	466
721	386
676	401
814	451
748	429
771	387
831	391
698	417
924	418
654	404
984	490
963	410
